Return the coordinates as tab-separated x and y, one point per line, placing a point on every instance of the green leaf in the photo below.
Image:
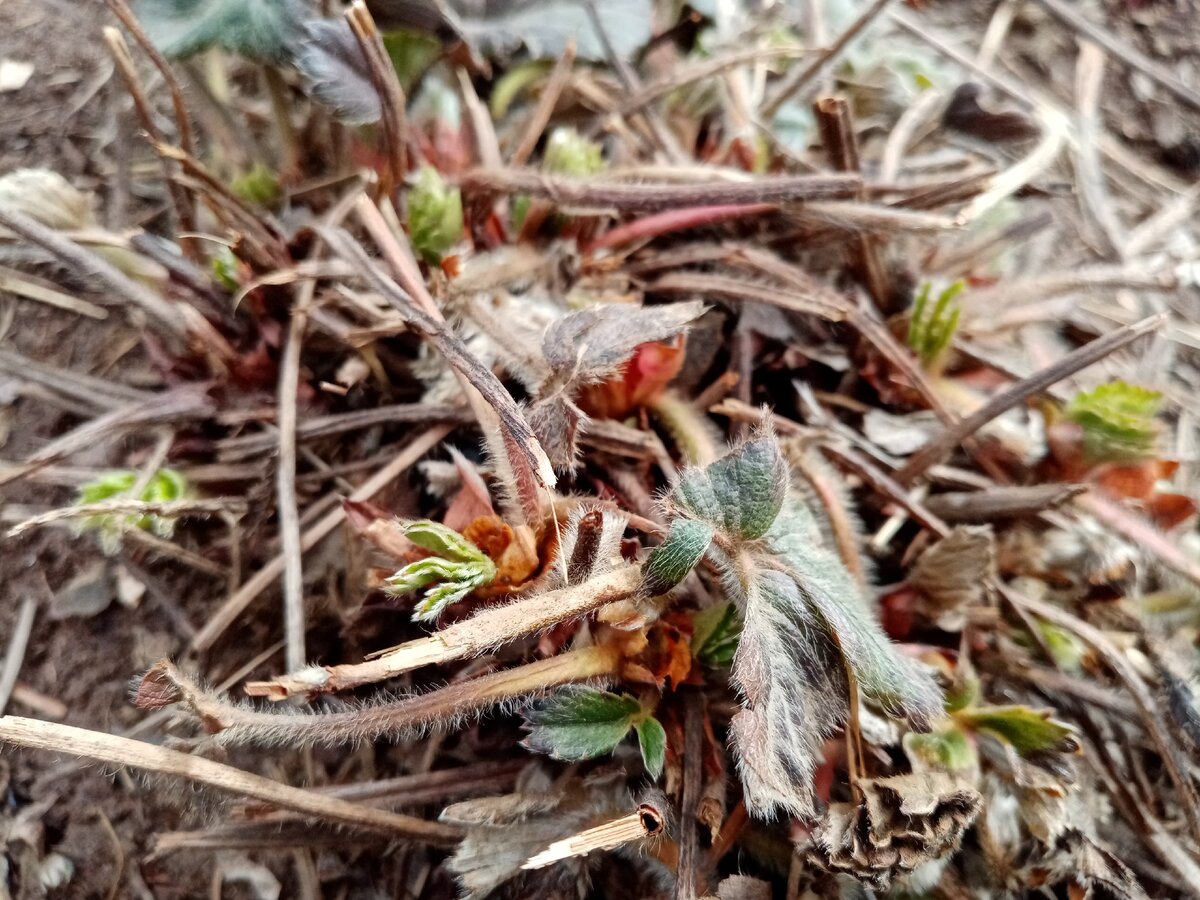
741	493
1118	420
512	83
931	327
225	267
263	30
460	568
715	634
437	538
165	485
411	53
569	153
1068	651
580	722
435	215
962	693
652	739
259	185
948	750
1028	730
671	561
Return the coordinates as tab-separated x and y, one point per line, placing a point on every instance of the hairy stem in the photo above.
469	637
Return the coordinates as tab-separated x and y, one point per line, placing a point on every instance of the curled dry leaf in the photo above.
896	825
952	575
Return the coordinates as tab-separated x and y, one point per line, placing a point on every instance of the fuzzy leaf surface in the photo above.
263	30
741	493
652	740
580	722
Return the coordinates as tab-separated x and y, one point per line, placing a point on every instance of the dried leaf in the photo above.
580	722
898	824
743	887
952	575
1083	861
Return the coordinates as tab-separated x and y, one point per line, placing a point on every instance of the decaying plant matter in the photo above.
687	471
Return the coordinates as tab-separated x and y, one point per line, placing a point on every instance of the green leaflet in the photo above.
715	635
931	327
435	215
741	493
652	740
1028	730
670	562
569	153
580	722
459	568
1118	420
166	485
947	750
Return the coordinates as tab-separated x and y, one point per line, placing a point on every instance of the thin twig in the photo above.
233	607
387	85
599	193
120	751
1093	194
14	655
469	637
164	508
943	444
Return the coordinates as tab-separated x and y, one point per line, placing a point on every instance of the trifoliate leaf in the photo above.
435	215
569	153
715	634
948	750
1027	730
459	568
741	493
674	558
1118	420
580	722
652	739
932	325
263	30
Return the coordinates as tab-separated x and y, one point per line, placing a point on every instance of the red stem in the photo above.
676	220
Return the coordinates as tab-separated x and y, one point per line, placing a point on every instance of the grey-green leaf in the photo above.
580	722
263	30
652	739
741	493
674	558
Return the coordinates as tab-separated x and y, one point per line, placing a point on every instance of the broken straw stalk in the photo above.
469	637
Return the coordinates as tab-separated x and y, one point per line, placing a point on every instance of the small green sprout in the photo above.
569	153
931	327
458	568
435	215
166	485
1118	420
258	185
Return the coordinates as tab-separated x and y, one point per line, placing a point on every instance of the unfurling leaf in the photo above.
1118	420
952	575
948	750
259	185
741	493
896	825
652	740
580	722
459	568
1029	731
569	153
671	561
435	215
715	634
263	30
164	486
331	62
931	327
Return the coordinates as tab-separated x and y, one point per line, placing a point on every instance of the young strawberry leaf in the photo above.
671	561
1118	420
459	568
739	494
931	327
1029	731
435	215
947	750
569	153
715	635
165	485
580	722
652	739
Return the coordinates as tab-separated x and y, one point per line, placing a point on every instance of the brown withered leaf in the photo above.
1040	783
950	575
1089	870
743	887
898	824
